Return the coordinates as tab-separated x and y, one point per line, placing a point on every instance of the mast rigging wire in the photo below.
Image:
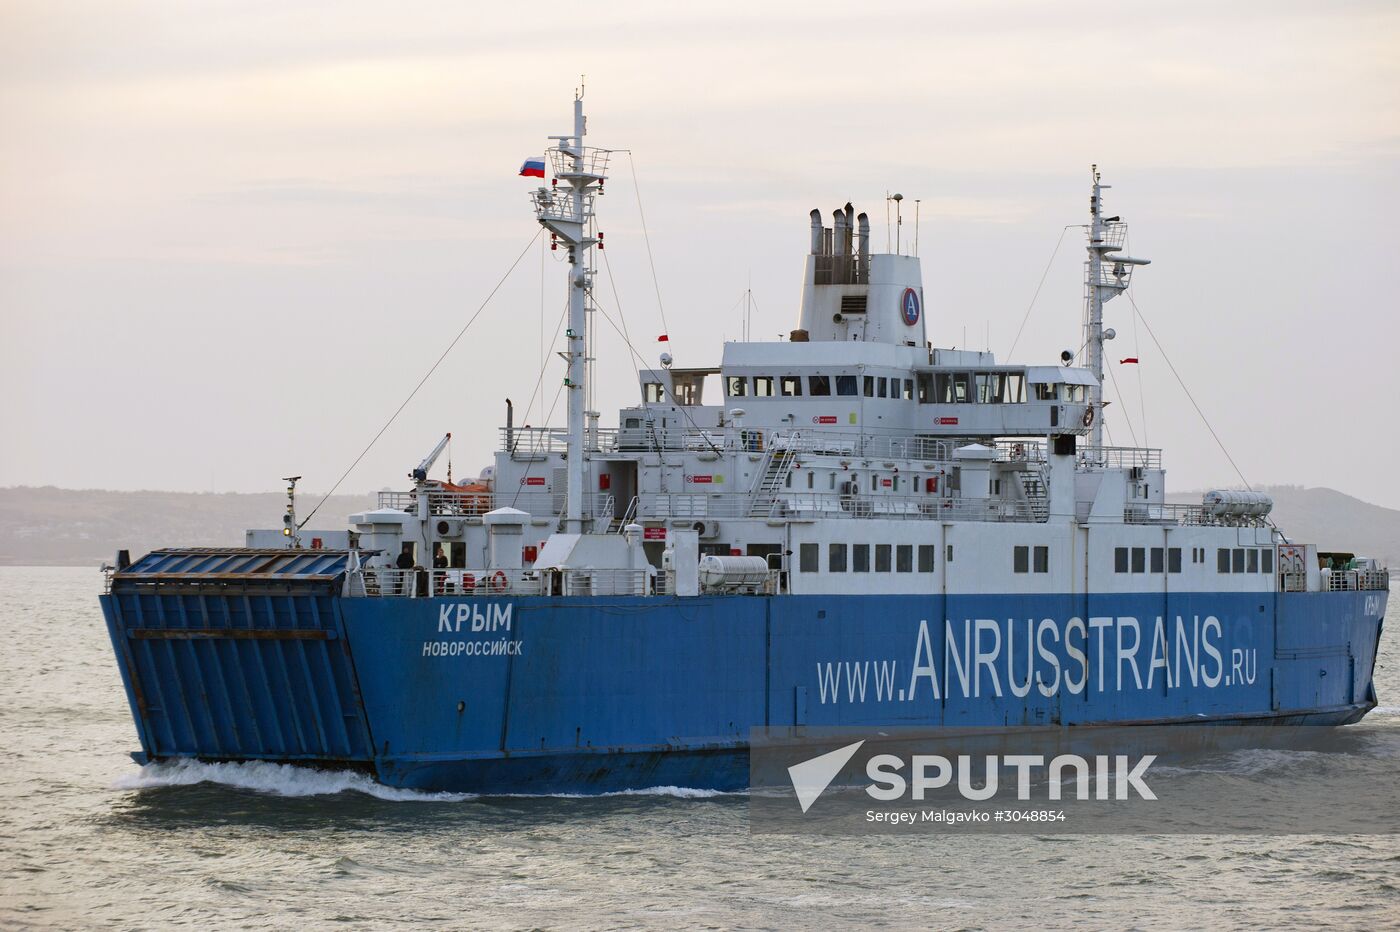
1180	381
646	238
1041	285
421	382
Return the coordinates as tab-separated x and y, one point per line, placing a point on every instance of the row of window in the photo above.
943	388
1244	560
855	558
1135	559
1228	560
1021	559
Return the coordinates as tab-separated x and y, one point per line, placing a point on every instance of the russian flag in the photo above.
533	168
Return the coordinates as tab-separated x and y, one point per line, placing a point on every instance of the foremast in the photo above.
1106	276
567	212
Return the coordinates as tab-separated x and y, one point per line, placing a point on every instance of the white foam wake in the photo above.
292	781
274	779
678	792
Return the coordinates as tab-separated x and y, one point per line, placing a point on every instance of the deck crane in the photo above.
420	473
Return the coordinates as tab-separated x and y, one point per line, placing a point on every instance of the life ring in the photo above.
468	582
1089	416
499	581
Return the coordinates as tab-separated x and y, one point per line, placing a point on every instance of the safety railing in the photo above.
1355	580
420	583
475	504
1119	457
1186	515
424	583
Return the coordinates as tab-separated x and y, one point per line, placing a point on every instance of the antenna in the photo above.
289	520
898	219
566	210
916	226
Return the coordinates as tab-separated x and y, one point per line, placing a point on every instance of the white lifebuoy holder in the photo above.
1089	416
499	581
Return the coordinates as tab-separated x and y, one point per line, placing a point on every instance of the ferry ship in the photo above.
848	527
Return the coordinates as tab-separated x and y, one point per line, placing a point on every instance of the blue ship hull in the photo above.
580	694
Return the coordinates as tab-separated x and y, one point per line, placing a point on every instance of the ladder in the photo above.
1037	498
774	478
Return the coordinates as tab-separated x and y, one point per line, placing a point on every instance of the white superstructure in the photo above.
852	456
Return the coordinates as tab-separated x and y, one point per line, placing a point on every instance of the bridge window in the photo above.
1074	393
1157	559
925	389
653	392
1238	562
1021	559
819	385
869	386
860	558
1042	559
904	558
1139	560
1173	559
926	557
962	387
737	386
908	389
1045	391
846	385
1013	388
882	558
1266	561
943	388
791	386
1120	559
808	557
1253	560
988	387
1222	560
763	386
882	387
836	558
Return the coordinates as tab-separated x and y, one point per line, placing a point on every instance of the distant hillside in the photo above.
1330	519
67	526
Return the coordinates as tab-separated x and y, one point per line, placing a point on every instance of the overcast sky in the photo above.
234	235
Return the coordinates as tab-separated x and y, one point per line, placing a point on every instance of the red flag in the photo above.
1130	359
663	339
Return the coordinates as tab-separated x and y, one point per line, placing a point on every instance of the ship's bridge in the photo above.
871	386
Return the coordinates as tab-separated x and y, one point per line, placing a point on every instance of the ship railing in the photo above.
1355	580
599	505
1186	515
818	505
643	581
420	583
1119	457
530	442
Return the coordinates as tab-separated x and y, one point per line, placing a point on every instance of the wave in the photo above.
292	781
275	780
